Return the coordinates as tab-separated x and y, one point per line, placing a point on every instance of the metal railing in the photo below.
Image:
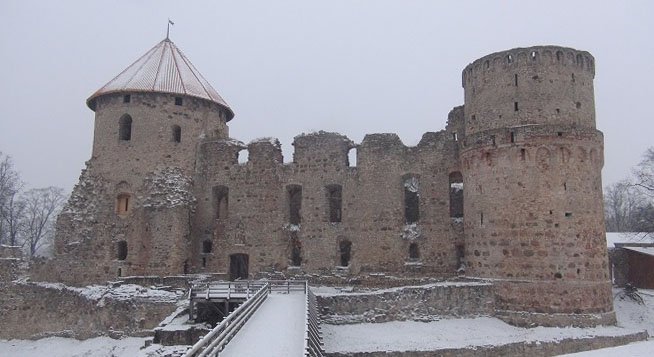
255	293
312	335
213	342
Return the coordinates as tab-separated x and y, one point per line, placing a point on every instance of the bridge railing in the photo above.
212	343
312	336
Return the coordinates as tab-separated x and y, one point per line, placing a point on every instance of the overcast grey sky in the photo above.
287	67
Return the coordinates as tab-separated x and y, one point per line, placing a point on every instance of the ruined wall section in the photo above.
533	199
153	236
371	221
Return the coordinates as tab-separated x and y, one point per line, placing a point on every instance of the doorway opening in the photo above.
238	266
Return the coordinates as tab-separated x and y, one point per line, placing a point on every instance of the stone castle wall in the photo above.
510	190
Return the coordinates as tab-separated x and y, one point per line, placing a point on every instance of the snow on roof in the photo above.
626	237
643	250
163	69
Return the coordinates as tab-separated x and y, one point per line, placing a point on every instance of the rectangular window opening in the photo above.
512	137
127	98
481	218
523	154
515	106
568	214
335	200
294	203
516	80
178	101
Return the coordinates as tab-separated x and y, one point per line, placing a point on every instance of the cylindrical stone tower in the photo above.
532	161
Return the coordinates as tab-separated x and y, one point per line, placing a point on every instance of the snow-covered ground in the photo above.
396	335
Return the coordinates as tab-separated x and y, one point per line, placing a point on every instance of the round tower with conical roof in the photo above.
532	161
154	113
130	213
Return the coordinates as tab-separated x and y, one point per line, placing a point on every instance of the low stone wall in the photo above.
533	348
427	302
32	310
9	269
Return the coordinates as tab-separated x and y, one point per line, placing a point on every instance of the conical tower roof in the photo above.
163	69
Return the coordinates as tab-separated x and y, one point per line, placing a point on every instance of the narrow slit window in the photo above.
123	203
515	106
455	137
512	137
125	128
523	154
481	218
515	80
509	59
177	134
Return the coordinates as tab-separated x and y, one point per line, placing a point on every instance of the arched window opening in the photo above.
335	201
294	193
121	250
221	201
414	251
411	200
559	56
207	246
123	203
125	130
177	134
509	59
345	250
456	195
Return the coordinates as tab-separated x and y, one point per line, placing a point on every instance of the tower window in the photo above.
121	250
123	204
335	201
127	98
512	137
296	250
125	129
523	154
177	134
515	80
509	59
515	106
178	101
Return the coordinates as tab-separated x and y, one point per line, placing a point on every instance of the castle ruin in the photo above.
509	191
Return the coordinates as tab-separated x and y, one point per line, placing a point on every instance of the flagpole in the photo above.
168	30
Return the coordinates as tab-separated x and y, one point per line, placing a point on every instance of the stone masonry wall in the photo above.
36	310
424	303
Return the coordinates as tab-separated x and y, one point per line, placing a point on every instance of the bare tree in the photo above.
10	208
645	173
41	208
621	200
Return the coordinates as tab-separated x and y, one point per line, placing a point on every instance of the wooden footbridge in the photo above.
274	318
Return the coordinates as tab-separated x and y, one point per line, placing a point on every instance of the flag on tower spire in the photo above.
170	22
